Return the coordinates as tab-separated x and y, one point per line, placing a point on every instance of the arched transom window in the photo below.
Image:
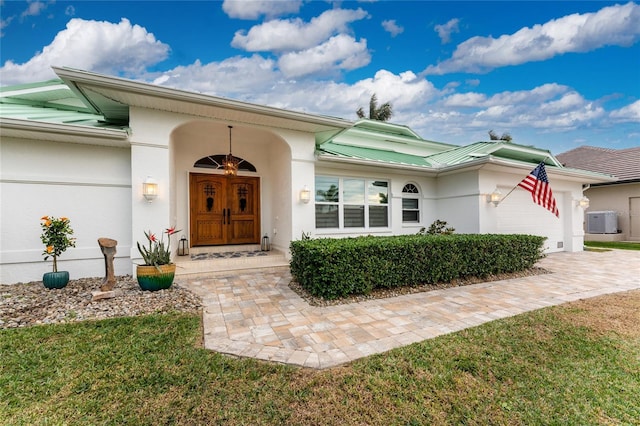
217	162
410	204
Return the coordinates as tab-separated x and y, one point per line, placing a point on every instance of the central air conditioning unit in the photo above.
605	222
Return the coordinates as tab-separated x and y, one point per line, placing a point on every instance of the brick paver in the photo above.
258	315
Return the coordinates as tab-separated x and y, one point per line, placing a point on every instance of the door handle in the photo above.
224	216
228	216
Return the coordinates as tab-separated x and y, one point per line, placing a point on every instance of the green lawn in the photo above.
559	365
613	245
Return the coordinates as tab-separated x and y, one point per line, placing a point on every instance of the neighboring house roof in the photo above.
621	163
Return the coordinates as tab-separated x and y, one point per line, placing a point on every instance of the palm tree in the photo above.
380	113
505	136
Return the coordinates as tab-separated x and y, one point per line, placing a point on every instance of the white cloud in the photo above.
254	9
444	31
4	23
614	25
103	47
461	100
237	77
70	10
339	52
546	107
295	34
444	114
392	27
629	113
537	95
34	8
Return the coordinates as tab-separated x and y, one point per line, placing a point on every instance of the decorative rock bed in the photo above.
27	304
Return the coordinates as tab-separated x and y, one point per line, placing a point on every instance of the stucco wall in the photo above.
563	234
89	184
459	200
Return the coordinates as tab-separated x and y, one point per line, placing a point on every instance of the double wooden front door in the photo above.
224	210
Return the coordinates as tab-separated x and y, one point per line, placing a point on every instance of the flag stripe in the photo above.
537	184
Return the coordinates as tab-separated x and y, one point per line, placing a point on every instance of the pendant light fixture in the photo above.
230	162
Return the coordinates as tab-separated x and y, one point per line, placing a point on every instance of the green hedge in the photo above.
333	268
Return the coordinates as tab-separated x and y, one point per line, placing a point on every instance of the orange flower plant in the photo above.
56	237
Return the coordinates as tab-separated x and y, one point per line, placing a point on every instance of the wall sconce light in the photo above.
495	197
583	203
305	194
150	189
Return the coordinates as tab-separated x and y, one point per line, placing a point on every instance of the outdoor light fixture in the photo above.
230	162
583	202
183	246
305	194
150	189
495	197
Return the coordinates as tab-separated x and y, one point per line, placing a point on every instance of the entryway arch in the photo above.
265	156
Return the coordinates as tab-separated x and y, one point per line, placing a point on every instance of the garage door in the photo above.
518	214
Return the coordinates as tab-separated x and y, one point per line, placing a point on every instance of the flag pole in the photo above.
518	184
508	193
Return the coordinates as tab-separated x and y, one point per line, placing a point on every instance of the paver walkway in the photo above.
258	315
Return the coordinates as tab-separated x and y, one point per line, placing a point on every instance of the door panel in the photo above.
224	210
244	214
634	218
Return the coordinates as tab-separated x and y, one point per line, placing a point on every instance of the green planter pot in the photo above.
152	278
55	279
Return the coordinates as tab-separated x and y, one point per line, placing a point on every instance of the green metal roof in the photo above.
506	150
372	154
49	102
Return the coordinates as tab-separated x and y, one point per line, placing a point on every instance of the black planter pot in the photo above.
55	279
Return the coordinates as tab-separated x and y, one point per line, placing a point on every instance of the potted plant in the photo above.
56	237
158	271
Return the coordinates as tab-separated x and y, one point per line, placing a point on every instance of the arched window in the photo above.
410	204
216	162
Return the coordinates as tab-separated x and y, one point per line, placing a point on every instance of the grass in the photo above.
572	364
623	245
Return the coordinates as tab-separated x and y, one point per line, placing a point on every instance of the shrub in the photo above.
334	268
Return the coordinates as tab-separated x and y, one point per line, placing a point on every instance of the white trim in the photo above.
38	181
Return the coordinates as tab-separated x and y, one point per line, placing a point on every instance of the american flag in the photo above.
537	184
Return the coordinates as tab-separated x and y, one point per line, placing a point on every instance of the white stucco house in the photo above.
82	146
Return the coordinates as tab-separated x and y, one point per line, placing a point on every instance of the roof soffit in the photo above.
112	96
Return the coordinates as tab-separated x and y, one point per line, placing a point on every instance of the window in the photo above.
351	203
216	162
327	202
410	204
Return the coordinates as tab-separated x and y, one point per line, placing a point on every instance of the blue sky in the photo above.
556	75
